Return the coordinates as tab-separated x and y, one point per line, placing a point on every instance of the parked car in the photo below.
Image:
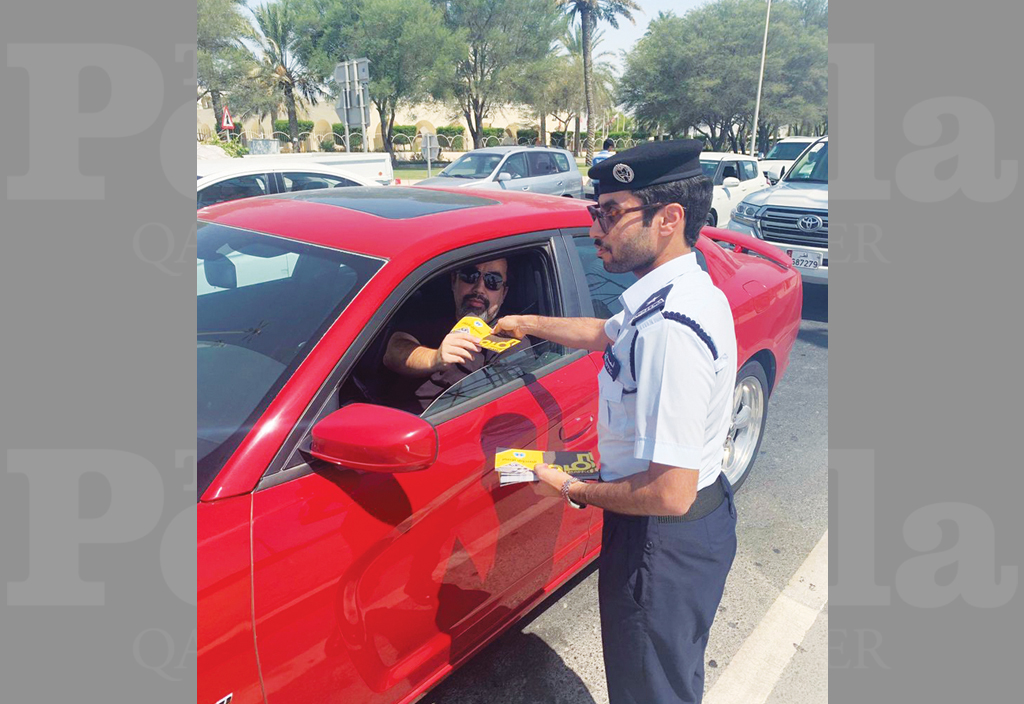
532	169
781	156
223	180
735	176
793	214
352	552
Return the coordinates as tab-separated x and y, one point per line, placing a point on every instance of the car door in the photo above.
246	186
519	171
369	585
573	179
751	179
544	173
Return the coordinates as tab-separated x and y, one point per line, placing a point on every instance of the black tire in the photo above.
712	219
742	446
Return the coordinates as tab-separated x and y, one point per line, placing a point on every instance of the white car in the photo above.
735	176
220	180
781	156
546	170
793	214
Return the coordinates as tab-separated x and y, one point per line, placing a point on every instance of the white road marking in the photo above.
756	668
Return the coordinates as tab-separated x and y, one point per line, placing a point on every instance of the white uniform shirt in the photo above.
663	396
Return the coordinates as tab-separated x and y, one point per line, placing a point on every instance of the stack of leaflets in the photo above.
515	466
483	333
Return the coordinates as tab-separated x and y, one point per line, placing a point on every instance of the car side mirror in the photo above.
375	439
731	182
504	176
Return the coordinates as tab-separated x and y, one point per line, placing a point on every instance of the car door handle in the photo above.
575	428
526	188
560	183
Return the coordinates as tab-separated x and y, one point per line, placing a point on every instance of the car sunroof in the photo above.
393	203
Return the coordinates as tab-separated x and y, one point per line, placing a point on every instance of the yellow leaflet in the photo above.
482	332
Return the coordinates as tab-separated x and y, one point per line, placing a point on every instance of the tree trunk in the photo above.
543	129
293	118
576	139
217	110
273	121
588	20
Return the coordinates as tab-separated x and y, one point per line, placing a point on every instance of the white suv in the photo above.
780	158
793	214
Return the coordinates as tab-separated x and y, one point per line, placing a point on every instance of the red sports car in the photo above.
367	572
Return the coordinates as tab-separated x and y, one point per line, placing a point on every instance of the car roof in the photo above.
398	222
207	170
514	148
798	139
719	156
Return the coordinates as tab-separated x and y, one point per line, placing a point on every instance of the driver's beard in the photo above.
485	315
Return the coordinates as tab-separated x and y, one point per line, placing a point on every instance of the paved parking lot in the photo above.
763	640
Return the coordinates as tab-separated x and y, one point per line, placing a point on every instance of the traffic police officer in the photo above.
666	392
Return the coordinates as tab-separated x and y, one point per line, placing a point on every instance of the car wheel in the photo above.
749	413
712	218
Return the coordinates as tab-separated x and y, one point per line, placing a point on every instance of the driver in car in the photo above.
430	359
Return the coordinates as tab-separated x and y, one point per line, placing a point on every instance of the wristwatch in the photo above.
565	493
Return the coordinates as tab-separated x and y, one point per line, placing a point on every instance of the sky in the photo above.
622	39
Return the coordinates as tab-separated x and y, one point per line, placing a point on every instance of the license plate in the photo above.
804	259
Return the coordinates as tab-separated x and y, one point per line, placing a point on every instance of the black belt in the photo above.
708	499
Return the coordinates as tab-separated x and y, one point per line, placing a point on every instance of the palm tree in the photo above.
602	75
277	23
591	12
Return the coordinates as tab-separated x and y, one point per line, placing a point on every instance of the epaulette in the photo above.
654	303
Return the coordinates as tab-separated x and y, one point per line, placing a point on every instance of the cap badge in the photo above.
622	173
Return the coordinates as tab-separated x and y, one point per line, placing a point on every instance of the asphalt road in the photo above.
554	656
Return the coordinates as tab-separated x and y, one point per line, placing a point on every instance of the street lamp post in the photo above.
760	81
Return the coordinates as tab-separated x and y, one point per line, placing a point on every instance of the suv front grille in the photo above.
782	225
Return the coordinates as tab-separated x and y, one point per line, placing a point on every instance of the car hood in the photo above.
792	195
450	182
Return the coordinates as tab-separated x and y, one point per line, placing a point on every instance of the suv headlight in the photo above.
745	211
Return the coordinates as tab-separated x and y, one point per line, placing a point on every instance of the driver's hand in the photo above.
456	348
511	326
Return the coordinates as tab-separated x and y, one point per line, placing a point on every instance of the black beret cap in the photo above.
648	164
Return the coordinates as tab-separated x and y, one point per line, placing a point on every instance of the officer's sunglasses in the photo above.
607	220
492	279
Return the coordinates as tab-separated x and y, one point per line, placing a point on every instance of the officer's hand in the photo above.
551	480
511	326
456	348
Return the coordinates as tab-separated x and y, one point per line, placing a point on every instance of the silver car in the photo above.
531	169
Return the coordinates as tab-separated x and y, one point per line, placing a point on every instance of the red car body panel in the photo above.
360	587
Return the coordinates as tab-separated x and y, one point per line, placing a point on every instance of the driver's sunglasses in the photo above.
607	220
492	279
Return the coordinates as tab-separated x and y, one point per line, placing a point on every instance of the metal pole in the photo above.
345	101
760	80
362	117
429	149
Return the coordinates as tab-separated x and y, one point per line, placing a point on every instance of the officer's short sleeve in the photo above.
676	376
614	324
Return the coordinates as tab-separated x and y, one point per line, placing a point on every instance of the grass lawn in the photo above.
417	171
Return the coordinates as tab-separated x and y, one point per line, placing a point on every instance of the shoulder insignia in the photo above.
697	330
655	302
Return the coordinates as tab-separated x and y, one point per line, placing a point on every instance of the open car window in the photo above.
517	363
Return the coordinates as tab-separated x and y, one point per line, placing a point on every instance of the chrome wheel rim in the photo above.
741	441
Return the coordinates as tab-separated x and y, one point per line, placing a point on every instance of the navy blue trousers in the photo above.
659	588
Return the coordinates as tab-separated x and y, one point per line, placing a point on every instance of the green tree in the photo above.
712	54
503	42
278	24
590	13
411	51
223	64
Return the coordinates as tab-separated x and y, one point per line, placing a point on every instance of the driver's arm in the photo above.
406	356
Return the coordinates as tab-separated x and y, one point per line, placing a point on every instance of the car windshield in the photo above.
812	167
515	363
709	167
786	151
261	305
472	166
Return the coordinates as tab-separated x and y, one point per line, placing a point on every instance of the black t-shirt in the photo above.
415	394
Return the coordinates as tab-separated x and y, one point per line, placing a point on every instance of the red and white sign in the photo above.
225	121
